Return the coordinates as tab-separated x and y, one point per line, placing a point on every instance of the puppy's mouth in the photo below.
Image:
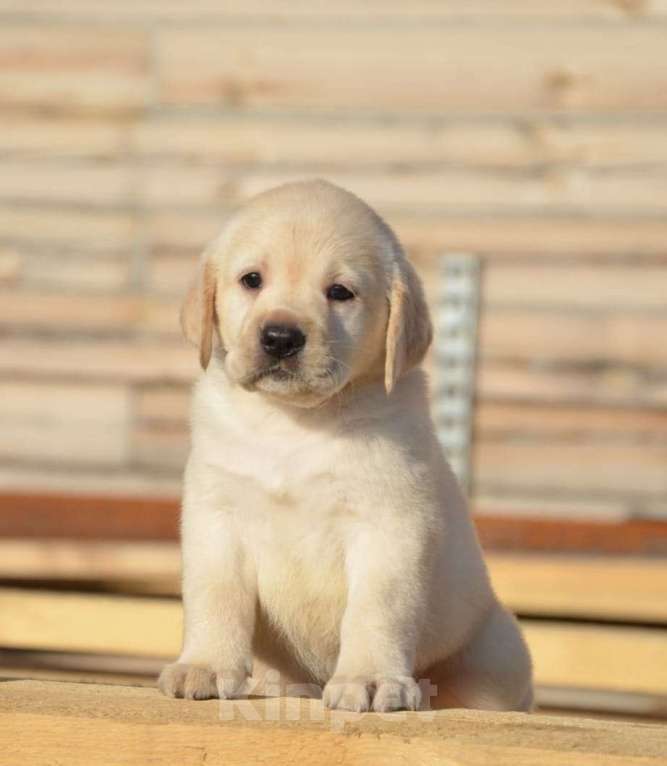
289	379
276	372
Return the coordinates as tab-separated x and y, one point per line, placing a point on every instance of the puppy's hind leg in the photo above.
493	671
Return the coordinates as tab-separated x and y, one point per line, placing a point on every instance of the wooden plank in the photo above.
98	231
571	465
448	189
570	506
88	517
619	588
40	137
240	140
583	383
496	236
283	141
77	622
68	68
74	667
490	235
445	189
118	517
131	671
64	423
564	654
137	725
598	656
501	420
37	309
143	670
591	467
88	481
564	285
541	337
101	360
611	588
23	672
81	271
499	67
107	314
611	705
45	181
630	536
104	517
145	563
206	11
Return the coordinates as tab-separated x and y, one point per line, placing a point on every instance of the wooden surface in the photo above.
119	517
530	133
605	657
621	588
92	724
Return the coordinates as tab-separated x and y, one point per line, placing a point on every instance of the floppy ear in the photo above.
409	330
198	311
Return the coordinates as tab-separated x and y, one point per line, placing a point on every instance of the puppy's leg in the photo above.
380	625
219	596
491	672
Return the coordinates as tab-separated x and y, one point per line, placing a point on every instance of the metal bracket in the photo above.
455	353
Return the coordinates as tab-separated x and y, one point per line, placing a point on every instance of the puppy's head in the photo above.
306	290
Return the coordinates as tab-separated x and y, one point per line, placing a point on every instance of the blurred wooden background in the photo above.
532	133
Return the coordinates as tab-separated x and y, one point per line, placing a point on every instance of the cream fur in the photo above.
324	535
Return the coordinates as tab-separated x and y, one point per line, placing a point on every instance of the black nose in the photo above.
281	341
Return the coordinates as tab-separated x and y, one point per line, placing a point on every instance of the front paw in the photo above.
382	694
348	694
396	693
200	682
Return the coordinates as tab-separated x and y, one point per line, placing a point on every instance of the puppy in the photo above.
324	535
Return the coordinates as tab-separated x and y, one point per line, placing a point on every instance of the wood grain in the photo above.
105	723
539	68
66	67
243	141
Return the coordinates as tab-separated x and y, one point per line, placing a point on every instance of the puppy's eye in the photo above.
339	293
252	280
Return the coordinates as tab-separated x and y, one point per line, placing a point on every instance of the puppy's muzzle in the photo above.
281	340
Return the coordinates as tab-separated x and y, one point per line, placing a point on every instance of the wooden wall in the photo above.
532	133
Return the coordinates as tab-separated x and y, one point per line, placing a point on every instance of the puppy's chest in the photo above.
282	477
294	511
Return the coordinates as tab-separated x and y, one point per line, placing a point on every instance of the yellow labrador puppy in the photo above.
324	535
